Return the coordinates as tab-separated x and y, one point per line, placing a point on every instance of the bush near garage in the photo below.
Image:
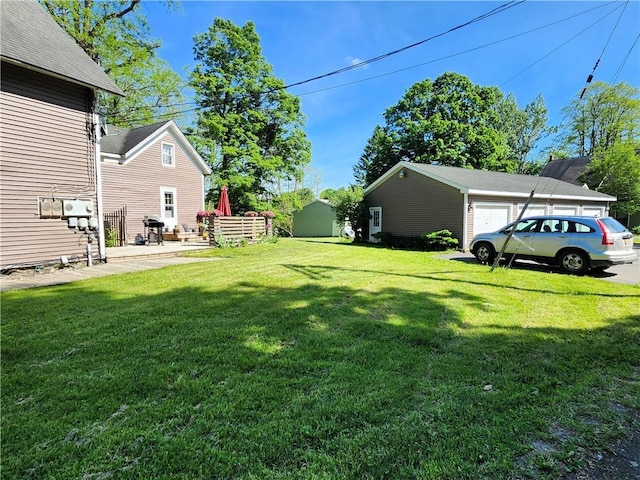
438	241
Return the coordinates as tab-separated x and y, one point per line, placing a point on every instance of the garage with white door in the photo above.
489	217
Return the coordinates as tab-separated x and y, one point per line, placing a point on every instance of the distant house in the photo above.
152	170
567	169
49	155
570	169
416	198
316	219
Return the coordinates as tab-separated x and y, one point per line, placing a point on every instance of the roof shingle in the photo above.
31	37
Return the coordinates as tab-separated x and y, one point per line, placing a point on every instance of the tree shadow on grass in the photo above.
246	380
317	272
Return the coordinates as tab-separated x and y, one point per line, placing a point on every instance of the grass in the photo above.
317	360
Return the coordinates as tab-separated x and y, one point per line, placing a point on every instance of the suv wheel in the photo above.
573	261
484	252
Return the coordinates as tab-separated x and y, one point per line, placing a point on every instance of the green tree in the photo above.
523	129
251	129
616	171
449	121
603	116
348	204
116	34
285	205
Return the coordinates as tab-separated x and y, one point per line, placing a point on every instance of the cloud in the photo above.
355	61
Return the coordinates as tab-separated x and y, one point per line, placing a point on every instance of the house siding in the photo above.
137	185
415	204
46	150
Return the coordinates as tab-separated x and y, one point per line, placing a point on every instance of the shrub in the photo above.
636	230
439	241
428	242
251	213
111	237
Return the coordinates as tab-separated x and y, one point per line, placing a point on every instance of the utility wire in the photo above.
490	13
181	113
624	61
590	77
466	51
558	47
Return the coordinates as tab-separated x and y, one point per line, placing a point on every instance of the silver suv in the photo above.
576	244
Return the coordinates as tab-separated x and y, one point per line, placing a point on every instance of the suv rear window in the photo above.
582	228
613	225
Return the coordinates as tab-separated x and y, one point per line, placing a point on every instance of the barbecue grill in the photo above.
153	226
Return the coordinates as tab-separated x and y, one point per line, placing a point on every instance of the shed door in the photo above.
490	217
375	223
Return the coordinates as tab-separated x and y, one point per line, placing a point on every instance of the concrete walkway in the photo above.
132	258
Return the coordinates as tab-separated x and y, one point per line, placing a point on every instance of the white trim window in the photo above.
168	155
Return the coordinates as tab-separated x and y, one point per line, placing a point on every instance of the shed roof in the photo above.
31	38
484	182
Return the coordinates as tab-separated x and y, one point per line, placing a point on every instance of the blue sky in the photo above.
303	39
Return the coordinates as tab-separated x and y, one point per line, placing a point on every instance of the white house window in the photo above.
167	155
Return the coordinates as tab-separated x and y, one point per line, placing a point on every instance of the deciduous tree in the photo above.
251	128
115	33
616	171
605	115
449	121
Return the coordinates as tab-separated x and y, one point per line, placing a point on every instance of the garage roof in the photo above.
484	182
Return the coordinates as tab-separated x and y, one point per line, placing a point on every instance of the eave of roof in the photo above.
484	182
32	39
127	144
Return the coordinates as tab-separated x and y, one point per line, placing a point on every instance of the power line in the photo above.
463	52
488	14
590	77
181	113
624	61
559	47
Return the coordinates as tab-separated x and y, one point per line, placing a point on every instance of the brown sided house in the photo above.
49	160
152	170
416	198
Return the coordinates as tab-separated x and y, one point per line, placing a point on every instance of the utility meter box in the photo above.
77	208
50	208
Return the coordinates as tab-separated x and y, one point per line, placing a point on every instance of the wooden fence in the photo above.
235	230
115	226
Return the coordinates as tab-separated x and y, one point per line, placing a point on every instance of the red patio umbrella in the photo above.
223	203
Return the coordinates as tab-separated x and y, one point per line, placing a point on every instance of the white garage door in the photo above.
533	210
490	217
565	210
593	211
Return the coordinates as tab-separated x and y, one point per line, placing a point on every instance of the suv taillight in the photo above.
607	239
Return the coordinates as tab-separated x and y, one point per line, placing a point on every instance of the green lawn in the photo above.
317	360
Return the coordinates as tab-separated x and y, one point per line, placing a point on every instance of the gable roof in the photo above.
484	182
567	170
31	38
126	144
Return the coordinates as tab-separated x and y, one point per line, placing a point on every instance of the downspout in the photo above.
102	252
465	221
